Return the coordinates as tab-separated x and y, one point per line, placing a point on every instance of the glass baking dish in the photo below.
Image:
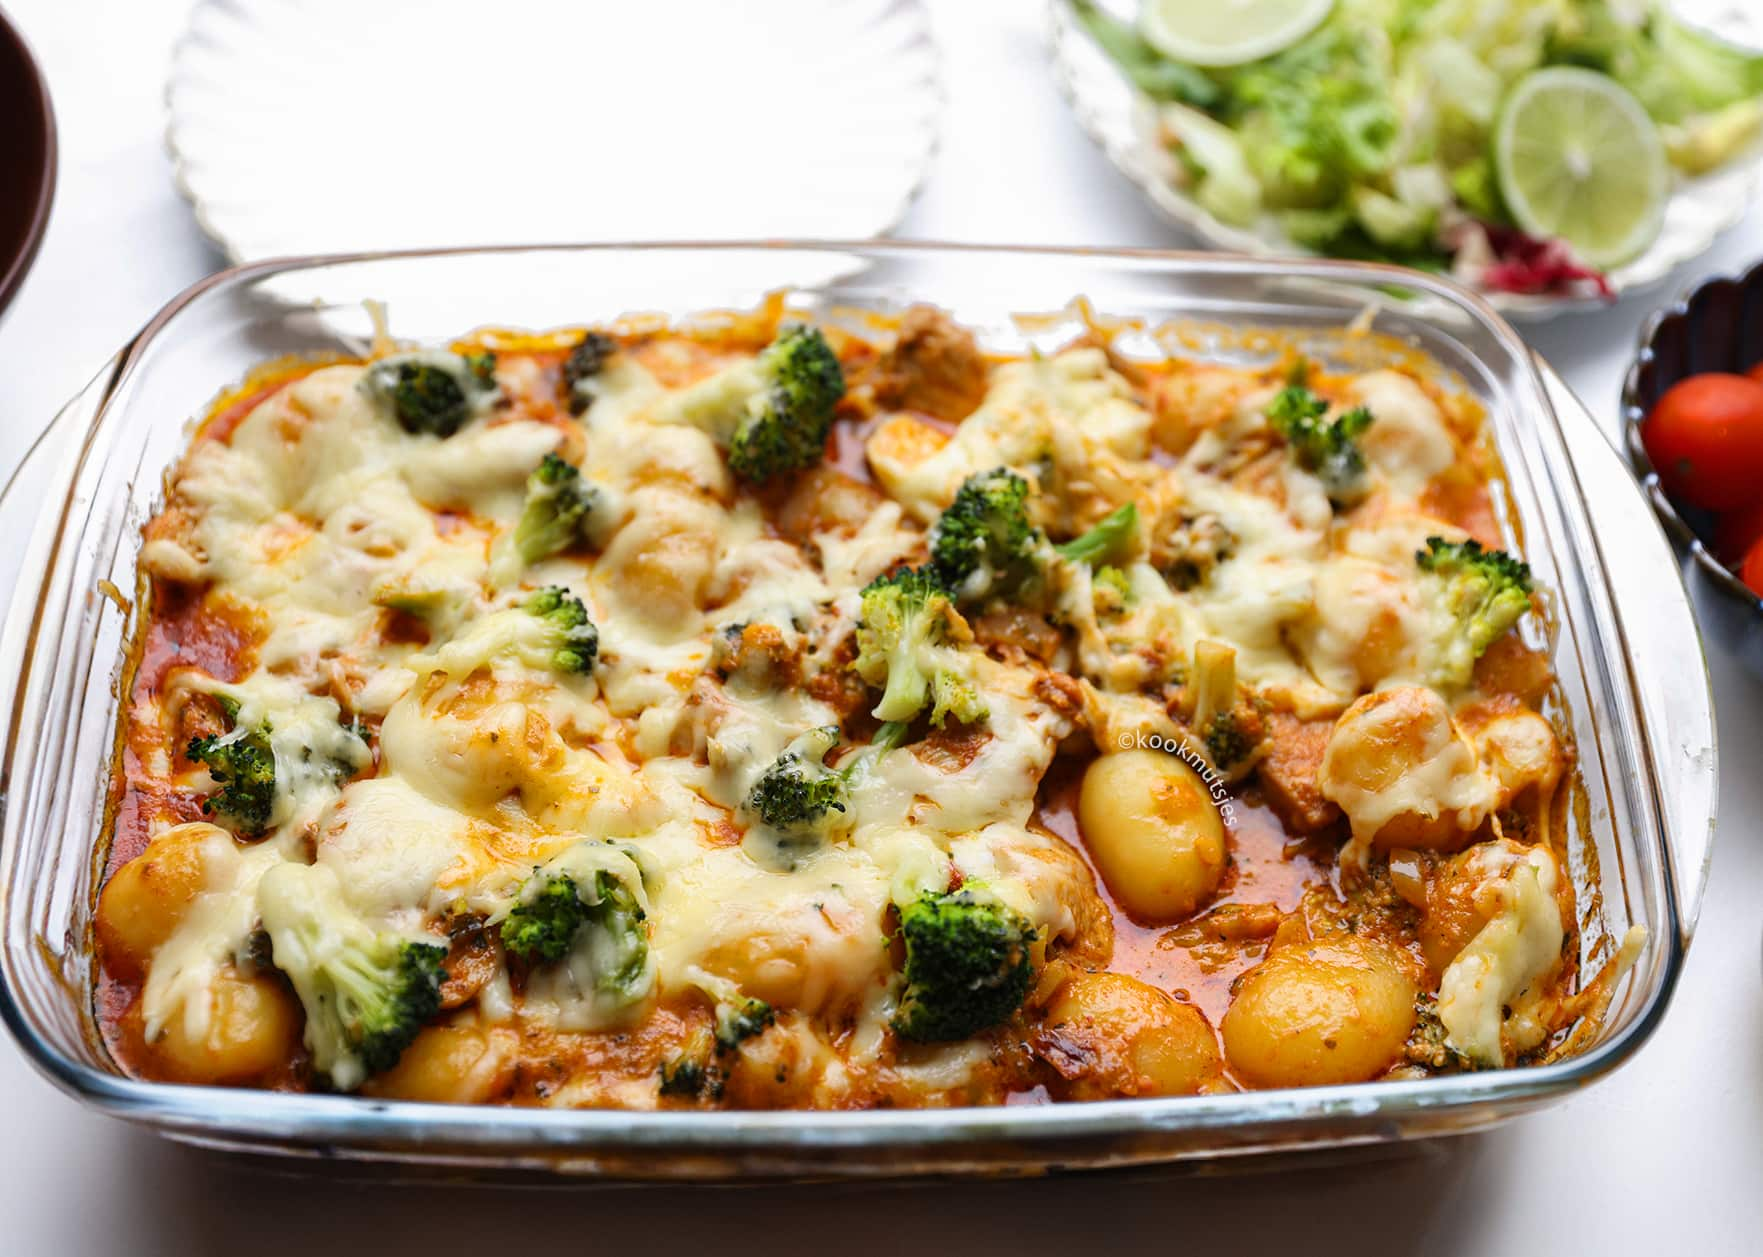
1634	685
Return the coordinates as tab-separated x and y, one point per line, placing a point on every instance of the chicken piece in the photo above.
934	367
1290	770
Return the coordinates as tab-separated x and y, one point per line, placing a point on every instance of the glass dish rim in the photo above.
246	1117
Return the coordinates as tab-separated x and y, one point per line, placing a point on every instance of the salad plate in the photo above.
1125	124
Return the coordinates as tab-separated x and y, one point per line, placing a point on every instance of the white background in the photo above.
1665	1155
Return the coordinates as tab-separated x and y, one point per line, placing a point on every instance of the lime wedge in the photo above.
1228	32
1579	158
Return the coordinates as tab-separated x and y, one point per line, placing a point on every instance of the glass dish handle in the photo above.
1676	695
27	533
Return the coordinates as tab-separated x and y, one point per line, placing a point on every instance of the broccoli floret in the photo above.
739	1020
697	1069
551	916
585	361
243	763
1111	589
558	504
1196	547
1326	450
785	426
800	799
691	1073
1485	591
798	793
540	926
432	392
1228	740
1231	729
577	640
1108	541
366	994
967	965
985	543
907	621
771	413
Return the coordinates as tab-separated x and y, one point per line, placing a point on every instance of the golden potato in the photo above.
1518	750
460	1062
1154	831
1318	1012
1109	1035
252	1026
1404	774
146	899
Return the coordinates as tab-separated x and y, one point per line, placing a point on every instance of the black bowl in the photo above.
27	159
1718	326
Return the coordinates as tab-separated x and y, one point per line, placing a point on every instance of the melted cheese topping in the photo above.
429	755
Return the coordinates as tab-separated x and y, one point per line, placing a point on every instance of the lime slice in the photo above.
1579	158
1228	32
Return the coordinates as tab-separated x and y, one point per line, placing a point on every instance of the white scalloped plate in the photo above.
317	126
1122	122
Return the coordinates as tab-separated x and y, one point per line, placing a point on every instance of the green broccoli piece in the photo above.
786	424
585	361
771	413
1109	541
577	640
1485	591
559	503
985	543
798	793
968	966
1325	450
1111	590
366	994
691	1073
552	917
1231	729
799	796
432	392
902	645
697	1070
740	1020
243	763
1196	547
1228	740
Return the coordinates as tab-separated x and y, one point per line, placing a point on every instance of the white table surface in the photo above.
1666	1154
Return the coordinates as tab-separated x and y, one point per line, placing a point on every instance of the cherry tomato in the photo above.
1706	439
1756	373
1735	532
1752	571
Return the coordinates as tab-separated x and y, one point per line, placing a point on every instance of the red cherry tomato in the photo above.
1752	571
1735	532
1705	437
1756	373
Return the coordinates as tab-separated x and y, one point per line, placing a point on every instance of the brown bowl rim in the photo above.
18	266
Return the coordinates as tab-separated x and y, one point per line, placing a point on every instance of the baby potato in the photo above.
146	899
252	1027
1154	831
459	1062
1319	1012
1110	1035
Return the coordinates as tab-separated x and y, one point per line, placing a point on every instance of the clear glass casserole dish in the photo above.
1633	683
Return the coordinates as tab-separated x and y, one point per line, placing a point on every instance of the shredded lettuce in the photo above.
1370	137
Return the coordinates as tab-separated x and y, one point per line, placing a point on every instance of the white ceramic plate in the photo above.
316	126
1123	123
